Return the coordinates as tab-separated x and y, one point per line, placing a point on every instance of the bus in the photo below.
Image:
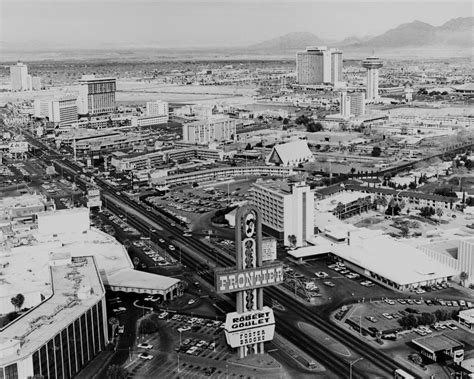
400	374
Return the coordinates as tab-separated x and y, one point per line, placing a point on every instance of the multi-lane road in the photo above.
195	252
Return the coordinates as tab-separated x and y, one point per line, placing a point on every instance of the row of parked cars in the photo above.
342	269
449	303
195	346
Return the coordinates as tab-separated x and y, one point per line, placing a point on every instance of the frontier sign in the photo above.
241	280
246	328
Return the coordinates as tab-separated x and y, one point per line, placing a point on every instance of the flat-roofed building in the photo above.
64	332
212	129
60	111
439	346
157	108
24	207
96	95
318	65
287	210
19	77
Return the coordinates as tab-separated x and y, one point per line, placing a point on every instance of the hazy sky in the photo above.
211	23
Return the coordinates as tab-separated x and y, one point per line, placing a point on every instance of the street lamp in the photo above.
351	364
178	363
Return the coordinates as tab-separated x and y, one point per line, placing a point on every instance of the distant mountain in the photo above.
289	42
458	32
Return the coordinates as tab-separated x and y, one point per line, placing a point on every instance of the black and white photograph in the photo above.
236	189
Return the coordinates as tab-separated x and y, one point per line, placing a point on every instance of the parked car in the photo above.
184	328
146	346
145	355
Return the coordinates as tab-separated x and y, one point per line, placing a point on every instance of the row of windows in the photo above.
65	354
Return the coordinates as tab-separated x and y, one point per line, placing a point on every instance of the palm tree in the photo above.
113	322
439	213
464	276
136	261
339	209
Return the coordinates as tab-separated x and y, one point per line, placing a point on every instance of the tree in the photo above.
416	358
248	147
412	185
339	209
149	324
136	262
20	299
113	322
464	276
17	301
376	151
116	372
405	231
427	212
353	170
439	213
292	240
285	121
445	192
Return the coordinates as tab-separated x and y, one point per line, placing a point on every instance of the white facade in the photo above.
157	108
463	261
96	95
212	129
286	209
318	65
19	77
372	64
345	105
357	104
62	111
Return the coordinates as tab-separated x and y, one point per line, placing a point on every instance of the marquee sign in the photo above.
250	327
240	280
252	324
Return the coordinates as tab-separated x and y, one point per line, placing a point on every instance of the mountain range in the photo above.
457	32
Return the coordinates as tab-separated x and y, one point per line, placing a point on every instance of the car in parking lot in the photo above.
120	329
321	274
119	310
202	343
387	316
171	247
191	301
163	315
371	318
451	326
191	350
389	301
184	328
145	355
152	298
146	346
161	240
329	284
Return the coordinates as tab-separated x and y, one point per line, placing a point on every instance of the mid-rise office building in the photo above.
60	111
352	104
218	129
96	95
318	65
287	210
19	77
157	108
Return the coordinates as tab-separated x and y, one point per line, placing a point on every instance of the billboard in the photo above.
18	147
242	329
269	249
242	280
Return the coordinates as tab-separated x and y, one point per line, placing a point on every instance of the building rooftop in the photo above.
435	343
280	186
76	288
396	261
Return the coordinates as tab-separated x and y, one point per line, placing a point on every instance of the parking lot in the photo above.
198	342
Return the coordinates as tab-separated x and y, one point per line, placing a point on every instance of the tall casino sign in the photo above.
251	324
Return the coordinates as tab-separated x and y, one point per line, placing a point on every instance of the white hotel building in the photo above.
61	111
212	129
287	209
96	95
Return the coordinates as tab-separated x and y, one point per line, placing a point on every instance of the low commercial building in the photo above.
287	210
466	318
439	347
24	207
290	154
216	174
390	262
